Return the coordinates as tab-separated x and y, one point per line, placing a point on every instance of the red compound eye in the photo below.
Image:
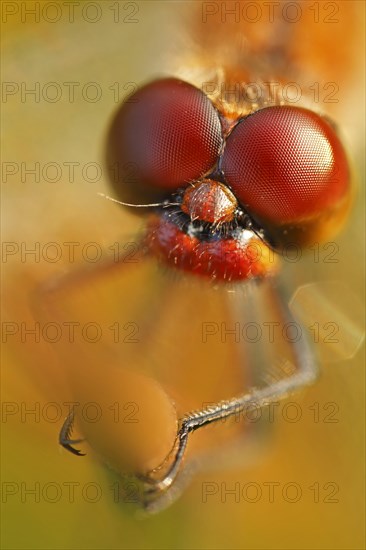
285	164
170	132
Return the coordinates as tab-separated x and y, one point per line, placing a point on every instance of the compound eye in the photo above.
286	164
169	133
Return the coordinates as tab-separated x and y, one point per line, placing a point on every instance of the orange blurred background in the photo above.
79	60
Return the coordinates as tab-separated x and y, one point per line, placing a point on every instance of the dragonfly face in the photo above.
235	185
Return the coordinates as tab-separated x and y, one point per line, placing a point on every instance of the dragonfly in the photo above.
227	174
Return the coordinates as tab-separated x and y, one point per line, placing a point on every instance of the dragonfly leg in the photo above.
64	436
304	374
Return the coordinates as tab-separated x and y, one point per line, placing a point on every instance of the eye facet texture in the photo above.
285	164
171	133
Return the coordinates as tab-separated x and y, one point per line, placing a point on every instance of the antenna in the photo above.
164	204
